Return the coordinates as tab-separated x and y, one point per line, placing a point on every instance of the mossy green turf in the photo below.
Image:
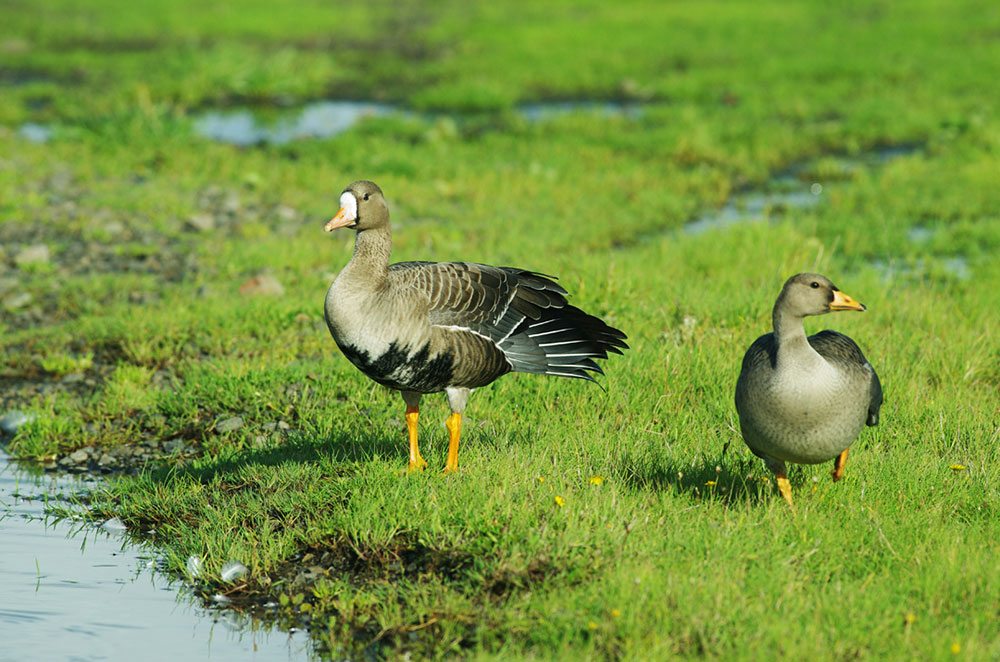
677	548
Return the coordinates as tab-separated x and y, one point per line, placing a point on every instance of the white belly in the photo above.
807	414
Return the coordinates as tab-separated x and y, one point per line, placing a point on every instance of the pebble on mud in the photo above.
35	254
262	284
200	222
13	420
17	301
229	424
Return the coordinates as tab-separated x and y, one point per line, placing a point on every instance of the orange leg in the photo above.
454	425
785	488
417	463
838	466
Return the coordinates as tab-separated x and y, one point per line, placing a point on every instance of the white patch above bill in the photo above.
350	206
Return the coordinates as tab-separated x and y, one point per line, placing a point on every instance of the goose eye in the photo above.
813	284
366	196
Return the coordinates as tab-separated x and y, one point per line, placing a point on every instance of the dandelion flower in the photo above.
591	626
710	483
541	479
560	501
596	480
956	648
616	613
910	618
958	467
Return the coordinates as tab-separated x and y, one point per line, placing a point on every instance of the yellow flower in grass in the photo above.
956	648
591	626
616	613
541	479
958	467
560	501
596	480
710	483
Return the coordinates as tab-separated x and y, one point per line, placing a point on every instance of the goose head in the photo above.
813	294
362	207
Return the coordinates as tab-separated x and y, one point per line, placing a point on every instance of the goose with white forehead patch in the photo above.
426	327
805	400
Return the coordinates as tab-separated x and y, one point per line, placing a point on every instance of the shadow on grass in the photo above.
348	449
730	478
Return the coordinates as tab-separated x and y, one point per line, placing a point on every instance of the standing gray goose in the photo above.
805	400
426	327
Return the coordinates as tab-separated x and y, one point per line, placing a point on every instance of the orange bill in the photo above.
842	301
341	220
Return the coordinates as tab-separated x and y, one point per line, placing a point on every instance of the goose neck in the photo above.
372	248
789	331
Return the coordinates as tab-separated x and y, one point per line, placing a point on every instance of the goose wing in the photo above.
842	350
523	314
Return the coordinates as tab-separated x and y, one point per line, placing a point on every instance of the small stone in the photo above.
107	461
286	213
35	254
269	426
114	228
284	426
17	301
263	284
174	445
200	222
13	420
229	424
79	456
231	205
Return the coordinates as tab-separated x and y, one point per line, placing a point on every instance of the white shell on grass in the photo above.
193	566
232	571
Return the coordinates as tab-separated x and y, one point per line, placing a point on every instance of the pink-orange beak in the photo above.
341	220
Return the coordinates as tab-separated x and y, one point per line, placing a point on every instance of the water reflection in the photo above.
752	206
316	120
72	591
795	188
36	133
324	119
956	266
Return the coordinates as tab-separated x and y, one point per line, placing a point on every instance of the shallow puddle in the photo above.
751	206
70	591
793	189
955	266
324	119
36	133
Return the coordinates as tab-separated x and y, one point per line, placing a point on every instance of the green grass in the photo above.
679	547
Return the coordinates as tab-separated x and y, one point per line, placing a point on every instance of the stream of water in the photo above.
70	591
